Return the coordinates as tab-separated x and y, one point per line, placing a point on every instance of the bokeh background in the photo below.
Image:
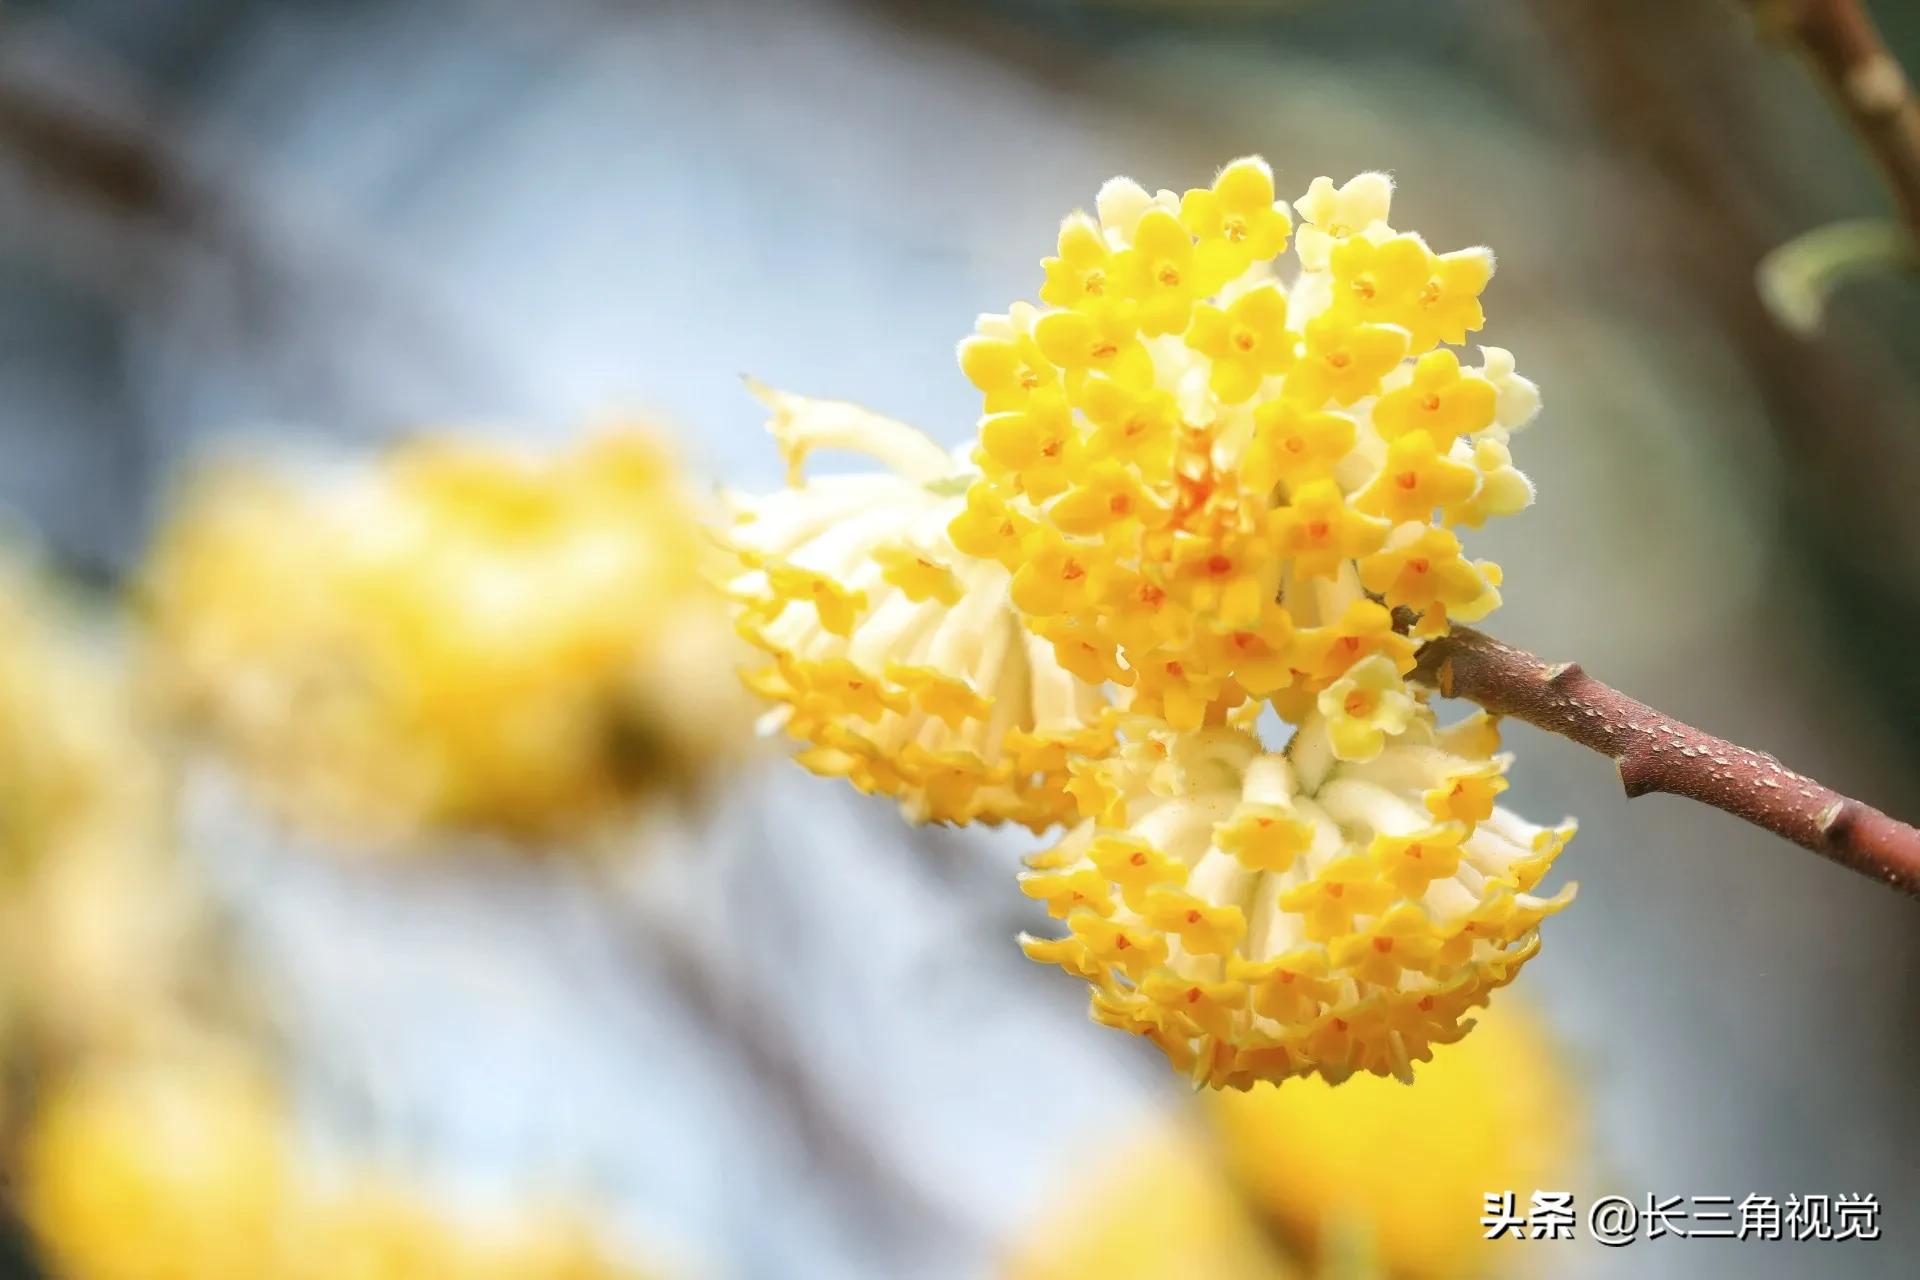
795	1037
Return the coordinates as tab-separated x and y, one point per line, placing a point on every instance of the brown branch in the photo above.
1845	48
1655	752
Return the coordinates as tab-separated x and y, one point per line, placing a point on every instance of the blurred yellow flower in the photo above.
1407	1168
1260	915
897	658
94	925
1157	1206
134	1174
184	1170
454	637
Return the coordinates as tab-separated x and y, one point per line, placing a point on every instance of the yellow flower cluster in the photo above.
899	662
1260	915
184	1172
457	637
1198	490
1211	484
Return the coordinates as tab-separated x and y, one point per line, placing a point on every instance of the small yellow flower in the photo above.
1365	707
1261	656
1134	867
1005	362
1412	861
1082	275
1440	400
1319	532
1399	281
1034	449
1346	889
1110	502
1104	342
1323	654
1264	837
1421	566
988	529
1516	400
1133	425
1468	796
1238	213
1058	577
1504	490
1163	273
920	574
1292	445
1417	479
1330	214
1248	341
1448	307
1343	362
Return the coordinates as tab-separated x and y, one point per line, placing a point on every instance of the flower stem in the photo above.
1848	54
1656	753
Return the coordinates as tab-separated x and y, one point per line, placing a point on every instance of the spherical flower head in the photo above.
1319	911
453	636
893	655
1500	1109
1198	458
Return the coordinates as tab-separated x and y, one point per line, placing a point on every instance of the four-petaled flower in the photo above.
1365	707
